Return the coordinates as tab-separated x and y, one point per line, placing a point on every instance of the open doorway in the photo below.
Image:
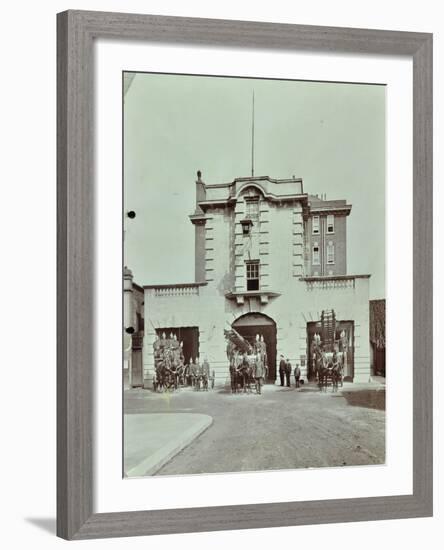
249	325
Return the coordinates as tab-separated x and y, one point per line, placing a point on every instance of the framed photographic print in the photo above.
244	274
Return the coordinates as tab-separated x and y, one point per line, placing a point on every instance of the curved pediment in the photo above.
251	189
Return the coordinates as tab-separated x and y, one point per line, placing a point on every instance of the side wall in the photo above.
351	303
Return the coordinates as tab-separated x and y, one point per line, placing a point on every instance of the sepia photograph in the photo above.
253	274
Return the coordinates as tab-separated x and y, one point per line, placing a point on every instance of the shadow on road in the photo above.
369	399
309	389
225	390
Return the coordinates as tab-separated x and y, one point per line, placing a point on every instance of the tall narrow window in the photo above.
315	226
330	223
315	255
252	267
252	208
330	253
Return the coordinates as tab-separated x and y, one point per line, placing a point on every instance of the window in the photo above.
252	208
246	227
315	256
140	322
330	253
315	227
252	275
330	223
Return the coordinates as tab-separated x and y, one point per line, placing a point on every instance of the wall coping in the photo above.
335	277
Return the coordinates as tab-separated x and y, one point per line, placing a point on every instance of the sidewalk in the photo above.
151	440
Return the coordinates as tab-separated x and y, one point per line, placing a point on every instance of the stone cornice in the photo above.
240	296
332	209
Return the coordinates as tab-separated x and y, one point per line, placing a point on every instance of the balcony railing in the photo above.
332	282
185	289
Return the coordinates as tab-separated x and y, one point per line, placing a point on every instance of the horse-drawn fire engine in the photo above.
329	353
248	362
170	371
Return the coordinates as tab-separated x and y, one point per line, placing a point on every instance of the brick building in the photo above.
269	259
326	237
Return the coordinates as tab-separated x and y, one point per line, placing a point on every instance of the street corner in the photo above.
152	439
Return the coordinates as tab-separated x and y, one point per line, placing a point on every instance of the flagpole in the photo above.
252	138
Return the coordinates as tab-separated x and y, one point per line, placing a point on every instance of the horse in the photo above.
181	374
320	365
236	376
160	382
246	371
322	368
337	370
335	365
241	372
330	366
335	377
166	376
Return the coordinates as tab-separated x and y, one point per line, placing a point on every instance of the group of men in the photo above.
168	356
285	372
196	373
168	351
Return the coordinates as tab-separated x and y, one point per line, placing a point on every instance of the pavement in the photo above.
151	440
284	428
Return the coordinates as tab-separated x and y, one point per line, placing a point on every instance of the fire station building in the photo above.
269	259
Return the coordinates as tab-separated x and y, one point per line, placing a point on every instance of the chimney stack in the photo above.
200	188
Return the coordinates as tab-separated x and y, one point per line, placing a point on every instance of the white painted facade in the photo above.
279	212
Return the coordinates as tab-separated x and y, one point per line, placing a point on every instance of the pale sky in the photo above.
331	135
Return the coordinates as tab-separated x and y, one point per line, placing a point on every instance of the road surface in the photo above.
282	428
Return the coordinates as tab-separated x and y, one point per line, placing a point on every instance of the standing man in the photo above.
257	344
199	371
205	373
181	355
259	372
288	372
282	367
193	372
264	355
297	375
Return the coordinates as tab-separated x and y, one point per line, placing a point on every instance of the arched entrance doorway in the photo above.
249	325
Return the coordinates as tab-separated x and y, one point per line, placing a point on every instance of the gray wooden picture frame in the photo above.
76	32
